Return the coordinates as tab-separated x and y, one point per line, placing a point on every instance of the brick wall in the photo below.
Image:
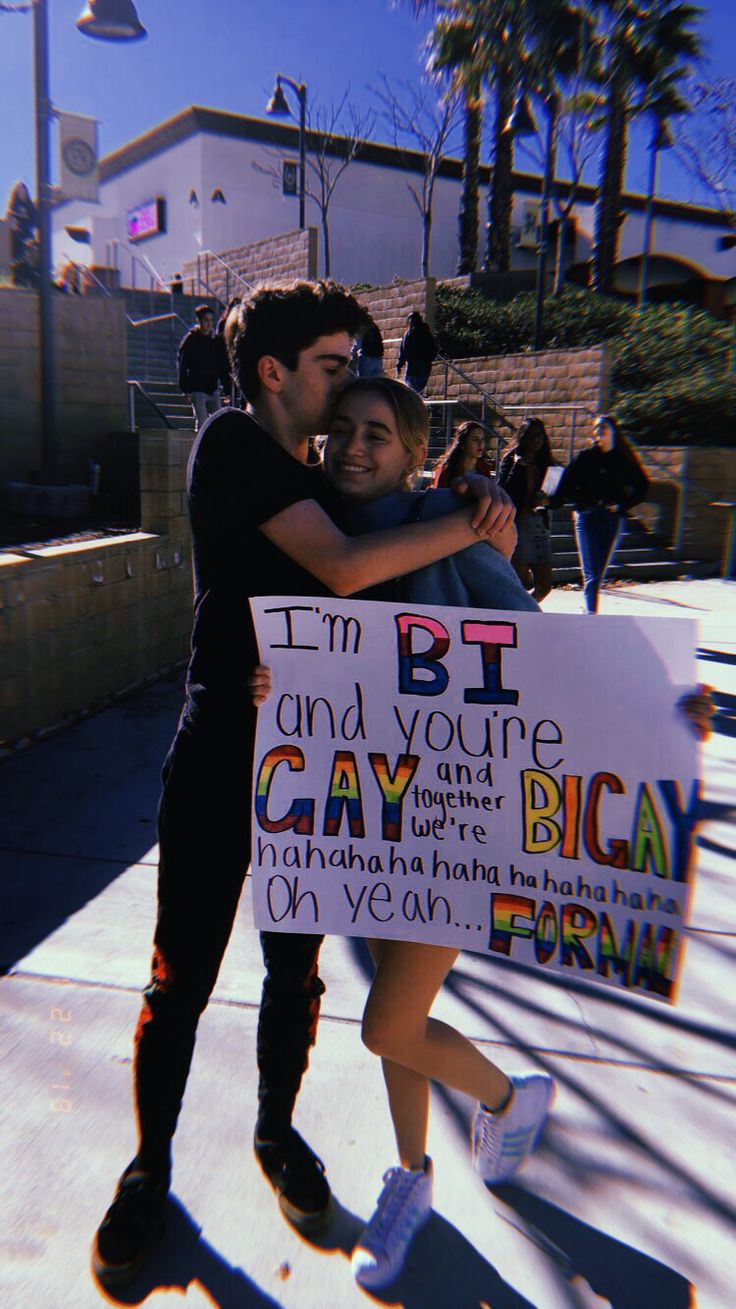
709	475
85	621
544	384
390	306
274	260
91	360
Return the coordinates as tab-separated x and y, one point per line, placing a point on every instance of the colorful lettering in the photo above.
300	817
393	787
343	794
428	661
490	637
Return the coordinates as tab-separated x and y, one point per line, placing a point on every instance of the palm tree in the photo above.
527	44
456	49
648	49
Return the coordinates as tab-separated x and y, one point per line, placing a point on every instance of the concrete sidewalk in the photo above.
628	1202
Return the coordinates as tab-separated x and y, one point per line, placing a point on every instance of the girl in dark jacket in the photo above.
521	475
602	483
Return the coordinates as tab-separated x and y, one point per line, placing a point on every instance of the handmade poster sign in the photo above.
519	785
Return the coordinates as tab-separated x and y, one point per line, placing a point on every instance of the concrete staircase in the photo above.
152	354
640	555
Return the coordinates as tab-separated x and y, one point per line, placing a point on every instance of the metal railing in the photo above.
136	261
572	409
157	318
487	398
86	274
135	386
204	284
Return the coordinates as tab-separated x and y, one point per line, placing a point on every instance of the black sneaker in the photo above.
298	1178
132	1224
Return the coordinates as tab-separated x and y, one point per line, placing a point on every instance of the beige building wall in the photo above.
91	361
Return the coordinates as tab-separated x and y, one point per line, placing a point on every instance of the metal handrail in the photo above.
144	263
86	272
572	408
210	254
156	318
488	396
133	386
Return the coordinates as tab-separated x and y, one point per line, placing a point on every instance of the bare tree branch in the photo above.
335	133
415	115
706	142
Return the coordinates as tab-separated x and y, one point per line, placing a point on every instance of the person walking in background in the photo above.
467	454
418	350
522	474
370	352
203	366
602	483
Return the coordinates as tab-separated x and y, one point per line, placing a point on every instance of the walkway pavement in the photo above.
629	1201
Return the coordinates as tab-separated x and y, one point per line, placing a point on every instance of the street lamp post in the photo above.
661	140
47	351
112	20
278	107
521	123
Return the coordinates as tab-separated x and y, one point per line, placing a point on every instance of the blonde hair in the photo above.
410	414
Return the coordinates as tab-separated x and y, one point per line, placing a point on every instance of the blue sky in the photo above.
225	53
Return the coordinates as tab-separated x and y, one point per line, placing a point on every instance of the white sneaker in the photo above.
404	1205
501	1142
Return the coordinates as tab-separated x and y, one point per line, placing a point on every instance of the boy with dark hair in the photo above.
261	525
203	368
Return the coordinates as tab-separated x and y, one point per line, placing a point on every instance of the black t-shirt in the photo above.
239	478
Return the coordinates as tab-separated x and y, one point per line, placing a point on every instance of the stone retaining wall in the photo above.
83	622
390	306
91	362
275	260
709	475
545	384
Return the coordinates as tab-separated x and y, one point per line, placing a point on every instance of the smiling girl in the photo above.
377	443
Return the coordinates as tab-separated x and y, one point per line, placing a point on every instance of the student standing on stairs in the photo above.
203	366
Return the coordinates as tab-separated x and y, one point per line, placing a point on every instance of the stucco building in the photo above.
194	184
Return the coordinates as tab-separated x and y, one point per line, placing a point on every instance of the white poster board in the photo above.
519	785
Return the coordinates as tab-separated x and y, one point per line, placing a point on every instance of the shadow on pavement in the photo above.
183	1258
615	1271
443	1270
78	809
341	1235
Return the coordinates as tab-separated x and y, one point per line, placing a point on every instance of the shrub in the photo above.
681	411
668	380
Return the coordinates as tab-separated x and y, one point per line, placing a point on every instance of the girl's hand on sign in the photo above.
259	683
699	707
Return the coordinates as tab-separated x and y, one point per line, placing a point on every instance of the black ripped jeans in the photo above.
204	836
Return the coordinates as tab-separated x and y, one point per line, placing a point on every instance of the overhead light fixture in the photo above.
194	198
80	234
111	20
278	105
521	121
217	197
